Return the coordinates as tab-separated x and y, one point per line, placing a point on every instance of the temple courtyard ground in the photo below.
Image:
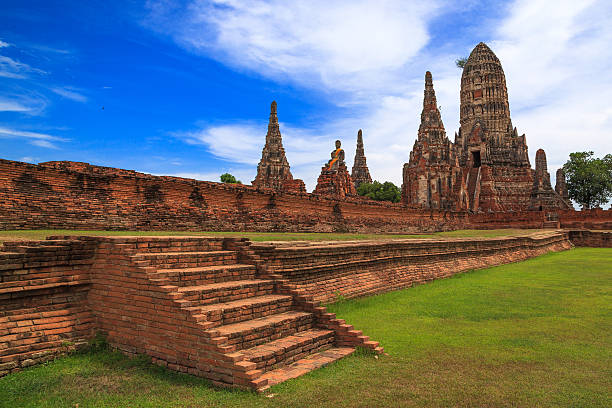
534	333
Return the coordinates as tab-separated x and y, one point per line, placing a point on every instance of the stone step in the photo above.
176	260
302	366
244	309
254	332
207	274
224	291
288	349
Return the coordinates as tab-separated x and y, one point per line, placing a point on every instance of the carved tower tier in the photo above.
361	173
273	170
432	177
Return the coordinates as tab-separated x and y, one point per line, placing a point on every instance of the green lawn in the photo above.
268	236
535	333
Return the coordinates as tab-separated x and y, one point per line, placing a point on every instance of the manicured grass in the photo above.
535	333
268	236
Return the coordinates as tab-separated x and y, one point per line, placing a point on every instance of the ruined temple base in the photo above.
335	183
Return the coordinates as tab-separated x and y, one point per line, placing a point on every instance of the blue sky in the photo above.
183	88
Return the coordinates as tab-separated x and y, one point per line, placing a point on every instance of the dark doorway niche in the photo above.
476	157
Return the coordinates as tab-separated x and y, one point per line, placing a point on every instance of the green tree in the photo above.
386	191
589	179
460	62
228	178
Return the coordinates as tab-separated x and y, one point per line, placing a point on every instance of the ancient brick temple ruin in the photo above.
487	167
542	194
273	170
360	173
335	180
432	177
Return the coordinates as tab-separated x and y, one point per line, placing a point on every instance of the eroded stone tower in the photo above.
360	173
561	187
432	177
493	156
543	197
273	170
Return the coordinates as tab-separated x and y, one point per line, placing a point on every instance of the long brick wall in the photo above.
331	270
69	195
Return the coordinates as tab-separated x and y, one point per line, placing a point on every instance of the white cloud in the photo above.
33	138
371	57
4	44
70	93
10	68
7	105
43	143
28	159
340	45
31	105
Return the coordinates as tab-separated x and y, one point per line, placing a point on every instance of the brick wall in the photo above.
43	300
69	195
352	269
595	239
80	196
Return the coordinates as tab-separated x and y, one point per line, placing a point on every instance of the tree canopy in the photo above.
386	191
460	62
228	178
589	179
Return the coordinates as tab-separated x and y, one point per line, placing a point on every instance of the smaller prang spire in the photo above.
431	128
360	173
273	169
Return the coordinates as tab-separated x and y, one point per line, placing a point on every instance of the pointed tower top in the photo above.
360	173
273	169
431	121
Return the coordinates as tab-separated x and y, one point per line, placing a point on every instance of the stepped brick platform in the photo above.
240	314
201	305
358	268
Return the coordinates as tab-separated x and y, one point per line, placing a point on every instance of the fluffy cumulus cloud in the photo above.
370	59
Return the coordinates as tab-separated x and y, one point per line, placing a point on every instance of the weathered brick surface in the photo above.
587	238
43	300
241	315
68	195
351	269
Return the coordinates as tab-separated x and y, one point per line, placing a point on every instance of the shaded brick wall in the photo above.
352	269
43	301
595	239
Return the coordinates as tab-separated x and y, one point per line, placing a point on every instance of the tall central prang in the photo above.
487	167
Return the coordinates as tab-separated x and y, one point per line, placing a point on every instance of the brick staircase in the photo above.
257	321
